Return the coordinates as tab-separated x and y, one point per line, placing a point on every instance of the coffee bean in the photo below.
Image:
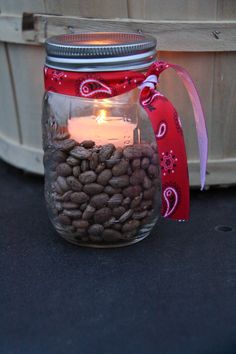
119	182
64	197
81	153
83	206
117	154
136	201
115	158
110	222
145	204
58	156
154	146
100	168
155	159
130	225
103	187
120	168
74	184
88	177
111	235
72	161
80	224
117	227
106	152
146	150
127	215
104	177
81	233
62	182
144	221
145	163
96	230
110	190
138	215
64	170
84	165
136	163
118	211
99	200
93	163
149	193
137	177
73	213
102	215
129	172
133	152
147	183
126	201
88	213
70	205
76	171
153	171
132	191
63	219
79	197
65	145
57	187
88	144
93	188
115	200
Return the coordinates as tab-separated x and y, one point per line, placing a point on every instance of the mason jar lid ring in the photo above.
105	51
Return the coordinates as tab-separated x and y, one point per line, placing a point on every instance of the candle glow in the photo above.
101	129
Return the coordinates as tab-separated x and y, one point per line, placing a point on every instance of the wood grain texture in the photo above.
172	9
88	8
22	156
8	117
226	10
20	6
10	28
27	63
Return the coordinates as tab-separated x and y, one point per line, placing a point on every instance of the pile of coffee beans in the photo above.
100	194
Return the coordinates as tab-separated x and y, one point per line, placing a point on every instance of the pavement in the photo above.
172	293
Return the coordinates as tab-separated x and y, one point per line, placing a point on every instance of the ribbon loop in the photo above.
159	67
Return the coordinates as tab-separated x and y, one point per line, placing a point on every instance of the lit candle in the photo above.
102	129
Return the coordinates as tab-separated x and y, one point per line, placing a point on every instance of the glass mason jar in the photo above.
102	180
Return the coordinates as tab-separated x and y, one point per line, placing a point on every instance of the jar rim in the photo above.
101	51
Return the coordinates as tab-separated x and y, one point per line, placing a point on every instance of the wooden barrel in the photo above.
198	35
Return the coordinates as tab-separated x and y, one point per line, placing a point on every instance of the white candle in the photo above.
101	129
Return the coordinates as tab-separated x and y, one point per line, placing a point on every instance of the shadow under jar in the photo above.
102	181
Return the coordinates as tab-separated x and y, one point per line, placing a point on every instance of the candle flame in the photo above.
101	118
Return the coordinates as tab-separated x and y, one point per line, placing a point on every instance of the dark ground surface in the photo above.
173	293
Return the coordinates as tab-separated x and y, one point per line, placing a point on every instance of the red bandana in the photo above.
163	116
